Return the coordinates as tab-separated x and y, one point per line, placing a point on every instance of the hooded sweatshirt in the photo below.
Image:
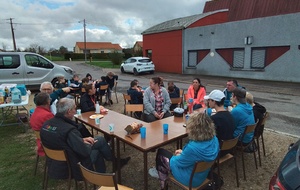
243	116
182	165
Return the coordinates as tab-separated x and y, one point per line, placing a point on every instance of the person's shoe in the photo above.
153	172
124	161
111	102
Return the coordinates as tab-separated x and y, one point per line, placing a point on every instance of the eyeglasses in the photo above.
46	89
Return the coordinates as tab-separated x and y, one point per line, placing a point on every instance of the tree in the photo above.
116	58
62	50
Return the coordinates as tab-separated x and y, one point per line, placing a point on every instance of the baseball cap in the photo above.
216	95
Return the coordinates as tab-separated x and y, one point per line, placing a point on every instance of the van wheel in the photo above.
54	82
135	72
122	70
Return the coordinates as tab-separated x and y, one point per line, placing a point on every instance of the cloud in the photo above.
55	23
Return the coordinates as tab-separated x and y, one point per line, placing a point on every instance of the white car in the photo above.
137	65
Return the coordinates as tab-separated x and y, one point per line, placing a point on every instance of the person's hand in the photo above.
161	115
89	140
67	89
178	152
156	115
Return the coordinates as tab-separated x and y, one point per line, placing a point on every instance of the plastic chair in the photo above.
59	155
198	167
258	134
241	147
103	88
127	100
37	135
106	181
227	145
115	91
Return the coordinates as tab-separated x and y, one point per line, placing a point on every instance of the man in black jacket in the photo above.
61	132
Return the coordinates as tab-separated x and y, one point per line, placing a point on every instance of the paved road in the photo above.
280	99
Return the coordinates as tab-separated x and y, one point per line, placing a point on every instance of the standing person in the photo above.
156	101
61	132
88	99
203	145
111	78
54	95
41	114
242	114
197	91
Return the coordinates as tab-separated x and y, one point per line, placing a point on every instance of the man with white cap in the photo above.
223	120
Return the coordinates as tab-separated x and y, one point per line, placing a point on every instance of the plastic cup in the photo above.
143	132
187	116
191	100
111	127
97	120
165	128
78	112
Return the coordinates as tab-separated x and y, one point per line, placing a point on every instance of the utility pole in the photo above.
13	34
84	31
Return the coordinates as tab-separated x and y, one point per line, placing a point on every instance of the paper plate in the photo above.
96	116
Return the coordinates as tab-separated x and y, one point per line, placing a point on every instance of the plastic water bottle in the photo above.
97	107
16	96
2	95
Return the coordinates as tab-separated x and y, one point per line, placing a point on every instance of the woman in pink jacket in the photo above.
197	92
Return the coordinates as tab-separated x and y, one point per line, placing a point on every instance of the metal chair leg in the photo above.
36	163
263	144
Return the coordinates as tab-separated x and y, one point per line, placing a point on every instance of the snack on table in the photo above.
96	116
133	128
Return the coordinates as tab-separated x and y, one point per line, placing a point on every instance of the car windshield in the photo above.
144	60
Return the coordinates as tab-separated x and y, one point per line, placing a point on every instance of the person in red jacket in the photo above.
41	114
196	91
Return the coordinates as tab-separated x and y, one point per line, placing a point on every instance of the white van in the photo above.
30	69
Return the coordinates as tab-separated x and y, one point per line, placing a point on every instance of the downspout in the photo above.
182	49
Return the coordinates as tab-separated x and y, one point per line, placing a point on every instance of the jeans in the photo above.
101	151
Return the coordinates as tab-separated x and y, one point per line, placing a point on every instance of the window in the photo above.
9	61
258	58
238	58
36	61
192	59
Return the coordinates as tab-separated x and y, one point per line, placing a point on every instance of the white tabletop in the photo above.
23	103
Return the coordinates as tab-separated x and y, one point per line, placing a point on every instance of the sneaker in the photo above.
124	161
153	172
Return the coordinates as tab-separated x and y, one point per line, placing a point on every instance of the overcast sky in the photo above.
55	23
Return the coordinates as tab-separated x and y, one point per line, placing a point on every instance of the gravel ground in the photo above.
257	179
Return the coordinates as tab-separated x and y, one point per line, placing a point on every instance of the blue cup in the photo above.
191	100
187	116
208	111
165	128
143	132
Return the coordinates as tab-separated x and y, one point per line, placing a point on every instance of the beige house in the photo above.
138	46
97	47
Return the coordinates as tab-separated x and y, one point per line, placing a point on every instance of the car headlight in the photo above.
70	71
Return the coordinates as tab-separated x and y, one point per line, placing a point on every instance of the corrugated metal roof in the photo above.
248	9
178	23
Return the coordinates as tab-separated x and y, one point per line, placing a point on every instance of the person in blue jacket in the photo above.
242	114
203	145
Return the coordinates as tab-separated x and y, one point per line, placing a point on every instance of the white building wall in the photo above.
283	30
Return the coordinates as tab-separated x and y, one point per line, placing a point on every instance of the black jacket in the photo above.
86	103
136	96
62	133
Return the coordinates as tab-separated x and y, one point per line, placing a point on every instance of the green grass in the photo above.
103	64
17	160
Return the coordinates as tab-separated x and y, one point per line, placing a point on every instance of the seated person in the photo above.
203	145
223	120
258	109
89	76
230	86
173	93
41	114
88	99
136	96
100	83
196	91
156	101
61	83
242	114
84	82
75	84
61	132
